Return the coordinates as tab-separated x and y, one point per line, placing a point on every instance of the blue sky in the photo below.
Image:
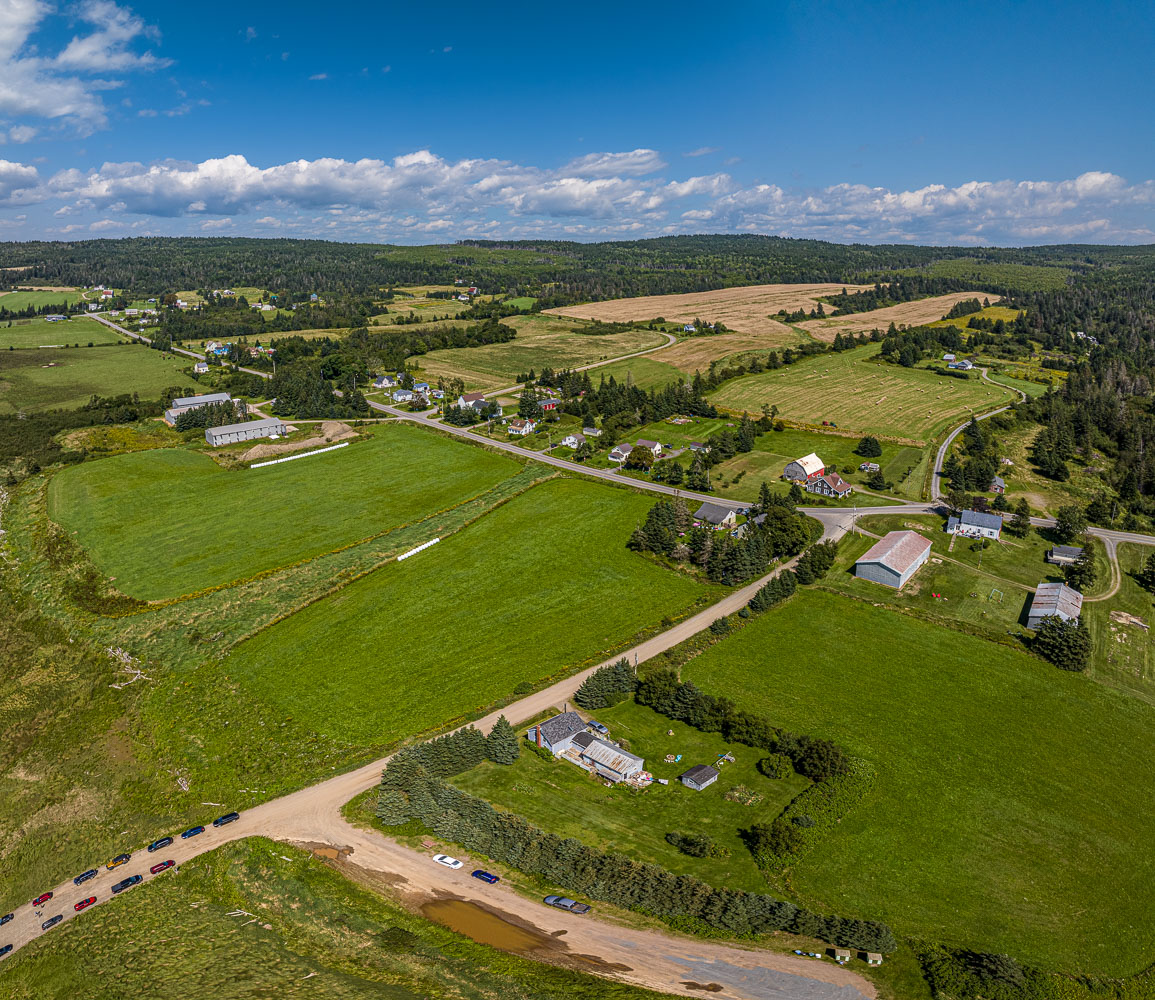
1000	124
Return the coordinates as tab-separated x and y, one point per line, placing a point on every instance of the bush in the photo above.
720	626
777	765
696	845
869	447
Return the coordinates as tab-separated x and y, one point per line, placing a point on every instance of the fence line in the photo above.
421	547
304	454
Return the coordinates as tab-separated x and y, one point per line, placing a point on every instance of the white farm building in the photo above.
248	431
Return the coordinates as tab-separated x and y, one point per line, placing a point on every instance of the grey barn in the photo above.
894	559
699	776
1054	598
248	431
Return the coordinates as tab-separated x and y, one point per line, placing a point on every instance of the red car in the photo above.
162	867
41	900
84	904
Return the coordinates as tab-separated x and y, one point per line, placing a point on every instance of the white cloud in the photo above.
106	49
319	76
14	178
702	151
22	133
636	163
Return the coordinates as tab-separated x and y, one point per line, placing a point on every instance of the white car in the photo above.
445	859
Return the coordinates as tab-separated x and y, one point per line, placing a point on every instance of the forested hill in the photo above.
562	272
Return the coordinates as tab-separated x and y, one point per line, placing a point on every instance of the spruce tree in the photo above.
501	744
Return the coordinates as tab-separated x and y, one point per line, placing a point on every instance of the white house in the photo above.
654	446
975	524
201	368
520	428
592	432
716	515
403	396
804	469
557	734
962	365
621	452
573	440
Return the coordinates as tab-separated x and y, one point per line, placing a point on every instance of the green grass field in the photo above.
538	585
14	301
26	383
620	820
863	395
542	342
1014	802
646	372
244	521
80	330
1124	654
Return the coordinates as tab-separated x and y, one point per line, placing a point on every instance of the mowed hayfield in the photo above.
33	380
133	512
540	584
80	330
913	313
747	309
38	298
1014	805
648	372
861	394
542	342
692	354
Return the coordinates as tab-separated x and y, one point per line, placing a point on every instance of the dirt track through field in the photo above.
908	313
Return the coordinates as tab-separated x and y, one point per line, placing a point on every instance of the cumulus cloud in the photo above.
107	47
16	178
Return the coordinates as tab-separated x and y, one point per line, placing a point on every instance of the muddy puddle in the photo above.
485	927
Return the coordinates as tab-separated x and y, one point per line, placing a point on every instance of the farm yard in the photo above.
43	379
462	623
76	331
542	342
954	843
249	520
563	799
863	395
914	313
748	309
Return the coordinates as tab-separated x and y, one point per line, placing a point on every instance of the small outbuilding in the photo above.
248	431
1064	555
894	559
1054	599
998	485
699	776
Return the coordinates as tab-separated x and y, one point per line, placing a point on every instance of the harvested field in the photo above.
905	313
747	309
696	353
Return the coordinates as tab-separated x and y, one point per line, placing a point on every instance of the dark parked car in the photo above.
226	818
4	951
162	867
84	877
42	899
156	845
192	831
486	876
51	922
84	904
120	859
127	883
4	919
562	903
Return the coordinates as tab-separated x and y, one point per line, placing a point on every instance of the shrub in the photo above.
696	845
720	626
777	765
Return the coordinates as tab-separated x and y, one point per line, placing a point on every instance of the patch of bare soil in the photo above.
331	432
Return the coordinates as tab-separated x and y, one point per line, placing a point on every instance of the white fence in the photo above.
304	454
420	548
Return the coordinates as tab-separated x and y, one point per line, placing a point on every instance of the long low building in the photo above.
183	404
894	559
1054	599
248	431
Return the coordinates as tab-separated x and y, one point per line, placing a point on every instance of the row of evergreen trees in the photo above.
211	415
606	686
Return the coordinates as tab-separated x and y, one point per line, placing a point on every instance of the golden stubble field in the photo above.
905	313
747	309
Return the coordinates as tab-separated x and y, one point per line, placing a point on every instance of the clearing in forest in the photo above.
914	313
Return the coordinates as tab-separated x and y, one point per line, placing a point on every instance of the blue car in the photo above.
485	876
192	831
156	845
51	922
4	919
4	951
127	883
226	818
84	877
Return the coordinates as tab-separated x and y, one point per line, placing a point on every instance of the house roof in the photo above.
608	755
593	431
999	481
712	512
1053	598
212	397
696	446
623	449
579	438
811	464
643	443
699	773
980	519
583	740
560	726
836	482
518	422
472	397
898	550
1066	551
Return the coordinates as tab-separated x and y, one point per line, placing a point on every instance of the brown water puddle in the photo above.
485	926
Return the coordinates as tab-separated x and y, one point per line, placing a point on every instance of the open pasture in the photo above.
47	379
542	342
915	313
648	372
748	309
1006	788
540	584
864	395
39	332
39	297
248	520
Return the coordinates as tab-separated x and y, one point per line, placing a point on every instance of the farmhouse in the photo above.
469	398
998	485
698	448
830	485
574	440
699	776
802	470
894	559
520	428
592	432
557	734
975	524
403	396
201	368
1054	598
654	446
717	515
604	758
961	365
183	404
232	433
421	387
384	382
948	357
621	452
1064	555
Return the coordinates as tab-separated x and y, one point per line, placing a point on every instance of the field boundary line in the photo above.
304	454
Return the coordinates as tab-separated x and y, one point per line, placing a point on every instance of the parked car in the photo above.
226	818
4	951
127	883
562	903
84	876
597	727
51	922
42	899
120	859
4	919
445	859
84	904
486	876
192	831
162	867
156	845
